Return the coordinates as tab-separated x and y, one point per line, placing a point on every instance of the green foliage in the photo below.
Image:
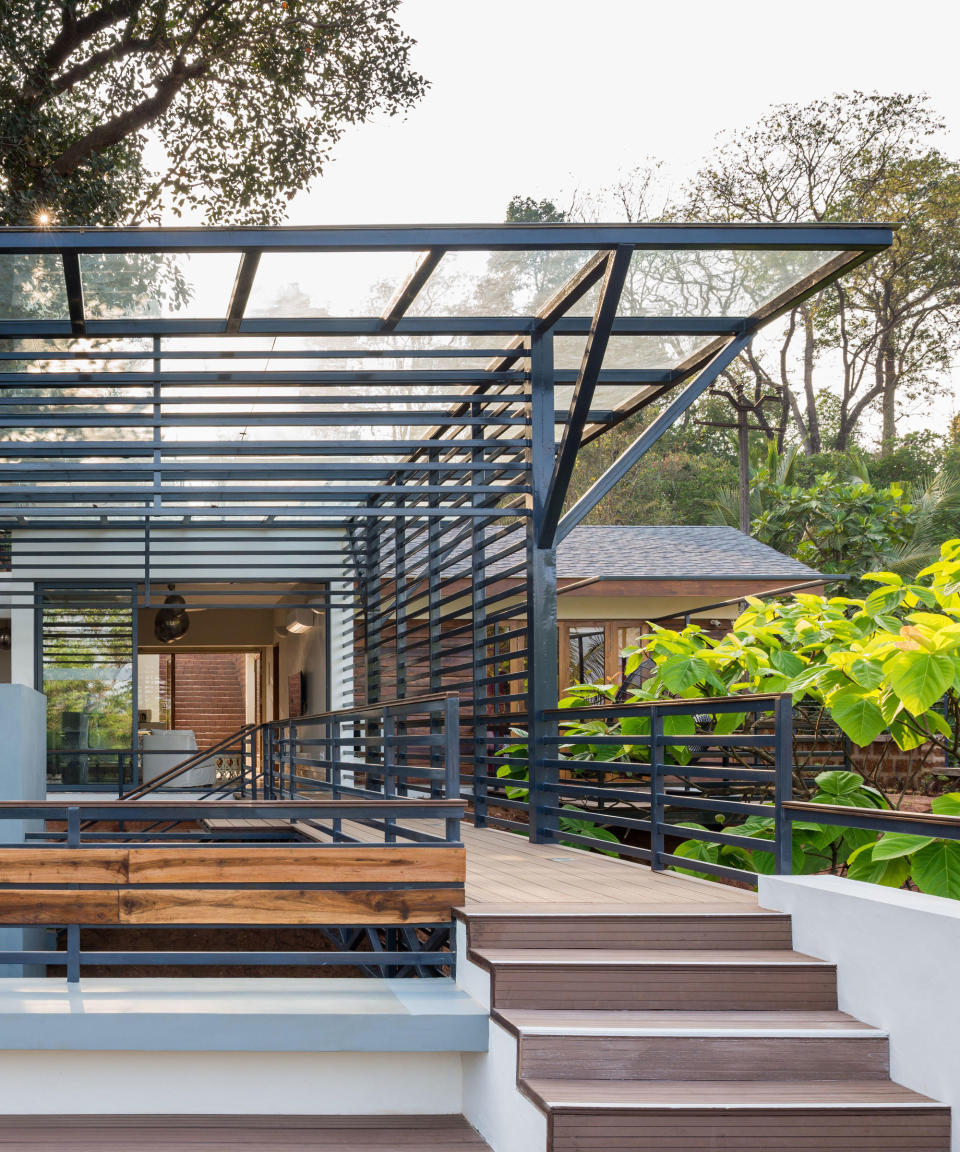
888	660
242	100
841	521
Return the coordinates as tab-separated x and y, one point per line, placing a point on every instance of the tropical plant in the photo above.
842	522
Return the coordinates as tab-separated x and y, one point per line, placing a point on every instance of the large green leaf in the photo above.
920	678
728	722
786	662
866	673
893	845
947	805
682	672
936	869
891	873
858	715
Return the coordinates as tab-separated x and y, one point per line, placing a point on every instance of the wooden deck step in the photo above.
569	1022
695	1045
681	979
734	1056
267	824
659	1116
239	1133
636	926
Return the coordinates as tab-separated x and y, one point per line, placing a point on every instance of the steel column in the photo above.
542	666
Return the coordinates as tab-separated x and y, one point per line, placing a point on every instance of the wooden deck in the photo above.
503	868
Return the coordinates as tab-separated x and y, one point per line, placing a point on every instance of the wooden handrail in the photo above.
885	815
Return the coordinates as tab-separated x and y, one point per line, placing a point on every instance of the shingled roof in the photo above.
638	551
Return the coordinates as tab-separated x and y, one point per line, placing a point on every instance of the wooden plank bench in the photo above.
371	884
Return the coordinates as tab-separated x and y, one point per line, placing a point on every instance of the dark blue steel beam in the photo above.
348	326
492	237
651	434
74	287
415	284
615	275
242	287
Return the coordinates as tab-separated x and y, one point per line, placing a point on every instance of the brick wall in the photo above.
209	695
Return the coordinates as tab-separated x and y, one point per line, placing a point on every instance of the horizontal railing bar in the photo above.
711	837
631	850
876	819
721	870
707	706
292	959
633	822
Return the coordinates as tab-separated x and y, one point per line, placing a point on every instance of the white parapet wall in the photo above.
492	1102
898	957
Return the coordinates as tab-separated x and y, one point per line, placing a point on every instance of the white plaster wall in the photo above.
341	648
208	1083
898	957
492	1102
23	776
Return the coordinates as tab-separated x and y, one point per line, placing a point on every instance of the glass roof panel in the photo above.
715	282
141	284
496	283
640	352
32	288
300	284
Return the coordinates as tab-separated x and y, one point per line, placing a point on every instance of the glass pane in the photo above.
300	284
330	353
133	284
87	666
32	288
713	283
640	352
497	283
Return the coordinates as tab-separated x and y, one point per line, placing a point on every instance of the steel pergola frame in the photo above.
383	454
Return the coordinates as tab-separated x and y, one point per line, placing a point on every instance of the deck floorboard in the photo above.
505	868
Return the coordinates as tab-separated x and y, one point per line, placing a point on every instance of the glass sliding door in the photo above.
86	667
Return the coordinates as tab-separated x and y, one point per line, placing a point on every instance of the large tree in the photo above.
886	332
115	110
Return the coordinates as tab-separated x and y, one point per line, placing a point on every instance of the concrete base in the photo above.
240	1015
229	1083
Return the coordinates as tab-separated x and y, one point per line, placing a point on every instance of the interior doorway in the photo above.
211	694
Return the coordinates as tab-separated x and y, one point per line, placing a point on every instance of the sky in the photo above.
542	97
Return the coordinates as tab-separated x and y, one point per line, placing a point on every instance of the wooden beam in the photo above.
347	864
290	906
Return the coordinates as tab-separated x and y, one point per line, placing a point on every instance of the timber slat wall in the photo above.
228	885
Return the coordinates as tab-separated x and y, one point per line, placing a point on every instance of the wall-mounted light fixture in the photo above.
300	620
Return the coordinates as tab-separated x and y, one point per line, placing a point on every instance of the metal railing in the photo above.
392	748
130	865
670	775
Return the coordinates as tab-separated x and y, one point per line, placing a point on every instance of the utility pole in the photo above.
743	408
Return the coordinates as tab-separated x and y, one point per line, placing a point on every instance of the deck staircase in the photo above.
658	1030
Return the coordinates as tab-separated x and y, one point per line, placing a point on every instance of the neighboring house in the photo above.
612	580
